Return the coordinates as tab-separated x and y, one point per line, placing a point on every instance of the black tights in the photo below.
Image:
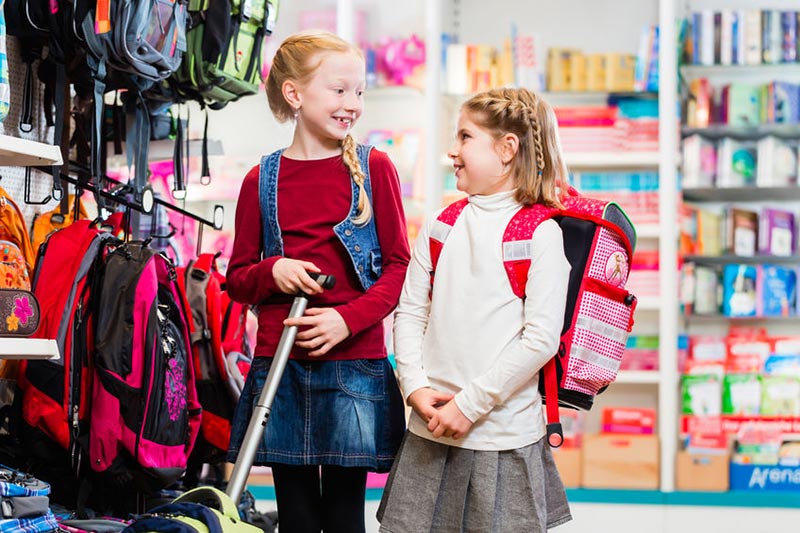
306	504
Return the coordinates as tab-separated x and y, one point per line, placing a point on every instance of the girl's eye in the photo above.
339	91
360	93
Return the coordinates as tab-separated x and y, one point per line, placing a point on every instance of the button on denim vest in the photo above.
361	242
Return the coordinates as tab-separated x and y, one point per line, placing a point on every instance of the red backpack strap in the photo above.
517	251
441	229
517	243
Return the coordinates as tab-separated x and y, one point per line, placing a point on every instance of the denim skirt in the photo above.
343	413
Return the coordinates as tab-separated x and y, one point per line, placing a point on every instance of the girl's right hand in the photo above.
426	401
291	276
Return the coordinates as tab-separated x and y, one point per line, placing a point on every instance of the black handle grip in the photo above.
326	281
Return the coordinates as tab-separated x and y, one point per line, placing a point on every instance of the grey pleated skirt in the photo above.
443	489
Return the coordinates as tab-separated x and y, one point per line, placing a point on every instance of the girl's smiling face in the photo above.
478	160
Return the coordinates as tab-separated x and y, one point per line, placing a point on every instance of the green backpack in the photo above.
224	45
200	510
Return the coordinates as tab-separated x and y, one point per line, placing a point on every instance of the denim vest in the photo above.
361	242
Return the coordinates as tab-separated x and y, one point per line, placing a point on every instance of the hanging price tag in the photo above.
102	17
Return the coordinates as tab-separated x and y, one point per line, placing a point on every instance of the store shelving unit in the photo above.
12	348
16	152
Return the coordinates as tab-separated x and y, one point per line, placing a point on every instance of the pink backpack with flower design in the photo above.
598	243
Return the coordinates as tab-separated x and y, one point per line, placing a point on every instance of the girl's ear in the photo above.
291	94
508	145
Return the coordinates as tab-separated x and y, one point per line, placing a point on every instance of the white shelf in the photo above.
164	150
599	160
13	348
747	73
648	231
648	303
639	377
16	152
603	160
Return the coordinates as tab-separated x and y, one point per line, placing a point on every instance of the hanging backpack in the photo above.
598	243
224	44
5	88
145	414
55	219
56	393
217	388
16	253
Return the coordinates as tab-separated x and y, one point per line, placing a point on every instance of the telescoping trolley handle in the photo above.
258	421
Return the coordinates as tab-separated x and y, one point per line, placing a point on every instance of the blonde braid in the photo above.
350	157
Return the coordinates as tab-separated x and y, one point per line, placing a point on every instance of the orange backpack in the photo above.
47	223
16	253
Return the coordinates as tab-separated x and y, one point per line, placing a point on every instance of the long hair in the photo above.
538	168
297	58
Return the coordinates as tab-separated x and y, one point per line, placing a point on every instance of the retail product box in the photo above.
620	462
631	420
764	477
568	461
702	471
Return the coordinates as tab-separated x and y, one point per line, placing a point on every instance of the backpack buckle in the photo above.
555	435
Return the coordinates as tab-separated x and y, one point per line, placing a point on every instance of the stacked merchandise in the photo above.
25	503
744	389
742	37
738	288
626	123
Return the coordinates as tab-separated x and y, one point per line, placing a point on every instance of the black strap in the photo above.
177	157
205	175
26	116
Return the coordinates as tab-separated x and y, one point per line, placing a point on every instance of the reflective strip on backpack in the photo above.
598	327
440	230
517	250
595	358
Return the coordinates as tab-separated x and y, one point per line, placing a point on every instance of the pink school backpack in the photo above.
598	243
145	414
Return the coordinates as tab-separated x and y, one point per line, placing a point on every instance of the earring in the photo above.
296	113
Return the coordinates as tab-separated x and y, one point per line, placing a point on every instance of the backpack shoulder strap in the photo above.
441	229
517	243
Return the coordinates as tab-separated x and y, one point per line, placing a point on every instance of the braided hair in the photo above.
538	169
297	58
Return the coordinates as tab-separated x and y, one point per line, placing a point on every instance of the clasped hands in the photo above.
440	411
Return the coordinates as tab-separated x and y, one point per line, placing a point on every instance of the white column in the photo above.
345	15
668	244
434	178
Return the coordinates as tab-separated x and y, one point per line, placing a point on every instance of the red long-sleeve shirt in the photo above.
314	196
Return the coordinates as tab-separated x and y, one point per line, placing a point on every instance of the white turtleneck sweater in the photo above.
475	338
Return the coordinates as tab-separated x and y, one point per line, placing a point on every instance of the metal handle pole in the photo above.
261	412
258	420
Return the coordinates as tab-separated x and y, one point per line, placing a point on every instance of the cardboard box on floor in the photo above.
620	461
568	461
258	476
702	472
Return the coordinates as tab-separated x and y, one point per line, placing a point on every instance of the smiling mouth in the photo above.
344	121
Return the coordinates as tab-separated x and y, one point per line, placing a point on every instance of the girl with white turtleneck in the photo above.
469	350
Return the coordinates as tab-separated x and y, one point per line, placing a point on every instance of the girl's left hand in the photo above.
326	329
449	421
